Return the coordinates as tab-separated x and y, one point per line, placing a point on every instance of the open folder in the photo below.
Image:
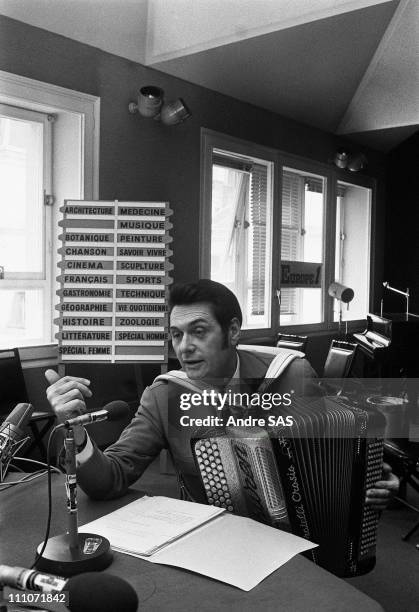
150	523
200	538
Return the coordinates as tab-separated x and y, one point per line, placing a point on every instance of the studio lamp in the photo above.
174	112
357	162
151	105
150	100
343	295
341	159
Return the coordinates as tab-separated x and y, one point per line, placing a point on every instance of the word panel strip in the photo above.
114	278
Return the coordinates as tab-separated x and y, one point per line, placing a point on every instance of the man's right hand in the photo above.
66	396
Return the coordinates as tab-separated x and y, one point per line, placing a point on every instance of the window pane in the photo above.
301	241
353	213
241	233
21	197
21	313
307	304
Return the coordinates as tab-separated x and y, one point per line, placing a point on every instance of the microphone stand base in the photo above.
93	554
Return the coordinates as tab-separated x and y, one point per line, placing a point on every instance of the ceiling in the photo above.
350	67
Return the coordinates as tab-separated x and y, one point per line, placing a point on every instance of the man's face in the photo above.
199	343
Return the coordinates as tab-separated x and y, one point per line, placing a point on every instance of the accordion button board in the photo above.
310	478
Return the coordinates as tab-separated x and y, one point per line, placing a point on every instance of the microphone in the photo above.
94	592
12	435
12	428
73	552
89	592
111	412
30	580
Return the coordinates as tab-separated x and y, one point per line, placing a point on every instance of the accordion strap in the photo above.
283	358
179	377
278	365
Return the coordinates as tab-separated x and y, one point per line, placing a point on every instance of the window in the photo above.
32	159
237	224
278	230
25	227
242	232
352	253
301	241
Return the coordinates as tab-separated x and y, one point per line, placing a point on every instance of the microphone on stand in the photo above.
12	435
90	592
73	553
111	412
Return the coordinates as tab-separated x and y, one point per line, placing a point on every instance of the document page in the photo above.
233	549
147	524
200	538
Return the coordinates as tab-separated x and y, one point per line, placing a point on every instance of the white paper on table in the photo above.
149	523
233	549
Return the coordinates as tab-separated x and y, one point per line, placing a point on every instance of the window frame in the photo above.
34	95
210	140
213	140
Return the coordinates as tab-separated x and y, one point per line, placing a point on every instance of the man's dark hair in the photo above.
224	303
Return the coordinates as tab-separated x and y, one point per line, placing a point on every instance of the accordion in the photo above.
309	478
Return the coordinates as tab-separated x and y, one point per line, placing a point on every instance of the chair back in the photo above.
12	387
339	359
292	341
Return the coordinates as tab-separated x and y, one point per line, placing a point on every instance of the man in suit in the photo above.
205	322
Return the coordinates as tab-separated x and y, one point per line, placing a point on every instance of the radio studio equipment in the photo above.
310	477
13	436
72	553
91	591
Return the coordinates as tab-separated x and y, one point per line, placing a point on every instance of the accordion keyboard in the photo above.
213	475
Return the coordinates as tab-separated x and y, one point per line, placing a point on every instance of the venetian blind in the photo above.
292	200
258	204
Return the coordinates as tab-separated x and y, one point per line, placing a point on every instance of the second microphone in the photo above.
111	412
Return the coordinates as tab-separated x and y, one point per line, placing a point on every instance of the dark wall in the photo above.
402	226
141	159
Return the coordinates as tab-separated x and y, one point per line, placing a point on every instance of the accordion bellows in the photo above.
309	478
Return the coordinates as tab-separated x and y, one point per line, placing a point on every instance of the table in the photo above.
298	586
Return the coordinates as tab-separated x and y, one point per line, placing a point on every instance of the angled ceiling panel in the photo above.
308	72
388	95
181	27
384	140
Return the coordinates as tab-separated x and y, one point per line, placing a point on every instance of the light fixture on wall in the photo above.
357	162
352	161
341	159
151	104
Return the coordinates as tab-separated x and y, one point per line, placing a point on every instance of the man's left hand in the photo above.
384	490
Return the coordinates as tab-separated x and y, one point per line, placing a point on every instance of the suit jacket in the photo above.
155	426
